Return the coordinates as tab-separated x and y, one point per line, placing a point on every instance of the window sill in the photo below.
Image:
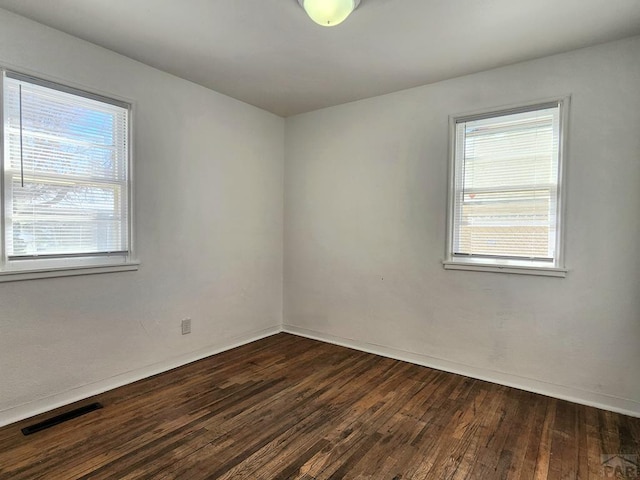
517	269
17	275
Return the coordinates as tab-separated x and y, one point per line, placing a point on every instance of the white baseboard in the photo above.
572	394
584	397
52	402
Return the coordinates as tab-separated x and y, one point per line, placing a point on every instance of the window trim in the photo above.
556	268
72	265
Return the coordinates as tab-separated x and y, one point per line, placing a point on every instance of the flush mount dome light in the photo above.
329	12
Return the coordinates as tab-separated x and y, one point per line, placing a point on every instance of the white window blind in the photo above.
506	185
65	171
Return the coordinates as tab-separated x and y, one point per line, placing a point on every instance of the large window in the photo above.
66	180
505	200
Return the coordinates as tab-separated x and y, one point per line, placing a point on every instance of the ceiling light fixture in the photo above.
329	13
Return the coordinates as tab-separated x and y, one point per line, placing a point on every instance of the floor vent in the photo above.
50	422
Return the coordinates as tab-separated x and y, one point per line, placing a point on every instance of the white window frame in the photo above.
556	268
65	265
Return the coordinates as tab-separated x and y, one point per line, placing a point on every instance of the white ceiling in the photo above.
269	54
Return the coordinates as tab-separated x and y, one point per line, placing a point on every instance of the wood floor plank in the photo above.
287	407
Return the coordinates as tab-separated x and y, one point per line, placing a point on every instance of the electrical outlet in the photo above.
186	326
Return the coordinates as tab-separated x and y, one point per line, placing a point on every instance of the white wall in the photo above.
208	205
365	221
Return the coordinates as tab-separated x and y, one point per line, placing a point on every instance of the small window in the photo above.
66	181
505	199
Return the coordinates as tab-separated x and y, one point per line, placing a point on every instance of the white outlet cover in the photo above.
186	326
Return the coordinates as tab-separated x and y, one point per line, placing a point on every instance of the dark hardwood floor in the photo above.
287	407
